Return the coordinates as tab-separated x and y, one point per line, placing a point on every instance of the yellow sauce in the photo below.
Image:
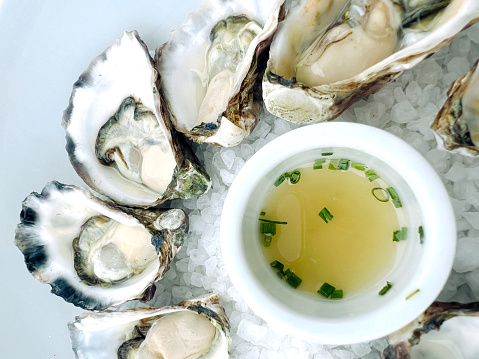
352	252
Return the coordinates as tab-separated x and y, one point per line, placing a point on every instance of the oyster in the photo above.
327	54
210	65
92	253
192	329
443	331
119	137
457	124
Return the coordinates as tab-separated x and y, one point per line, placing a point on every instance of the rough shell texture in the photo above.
125	69
401	343
52	220
182	63
452	133
297	102
99	335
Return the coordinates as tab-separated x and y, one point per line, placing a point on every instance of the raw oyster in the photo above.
443	331
92	253
327	54
196	328
210	65
119	137
457	124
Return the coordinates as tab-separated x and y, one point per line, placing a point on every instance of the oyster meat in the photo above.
193	329
443	331
210	68
119	137
457	124
327	54
92	253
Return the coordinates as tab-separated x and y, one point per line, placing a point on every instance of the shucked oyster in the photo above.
193	329
443	331
457	123
329	53
210	65
93	254
119	137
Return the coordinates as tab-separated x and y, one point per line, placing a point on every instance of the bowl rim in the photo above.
355	329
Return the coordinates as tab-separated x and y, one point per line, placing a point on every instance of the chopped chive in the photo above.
262	213
385	288
269	221
337	294
287	272
280	274
268	228
294	177
326	154
325	215
277	265
267	240
421	234
154	90
385	196
334	164
400	234
410	295
394	197
318	164
359	166
292	279
326	290
371	175
279	180
343	164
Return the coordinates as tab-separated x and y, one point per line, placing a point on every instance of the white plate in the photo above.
44	47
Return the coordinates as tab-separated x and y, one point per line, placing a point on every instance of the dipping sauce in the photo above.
352	251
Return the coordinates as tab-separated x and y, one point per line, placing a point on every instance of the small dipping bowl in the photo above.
366	315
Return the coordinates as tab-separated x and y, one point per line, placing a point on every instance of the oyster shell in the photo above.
210	65
92	253
443	331
196	328
327	54
119	138
457	124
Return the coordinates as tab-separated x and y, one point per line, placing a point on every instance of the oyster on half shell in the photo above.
193	329
119	137
457	124
92	253
327	54
443	331
210	68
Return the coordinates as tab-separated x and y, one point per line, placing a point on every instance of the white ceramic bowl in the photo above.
367	315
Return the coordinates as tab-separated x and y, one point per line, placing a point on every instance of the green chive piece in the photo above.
337	294
293	279
326	154
343	164
384	197
421	234
318	164
394	197
410	295
359	166
295	176
280	274
325	215
154	90
385	288
268	228
326	290
269	221
371	175
267	240
262	213
400	234
334	164
287	272
279	180
277	265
